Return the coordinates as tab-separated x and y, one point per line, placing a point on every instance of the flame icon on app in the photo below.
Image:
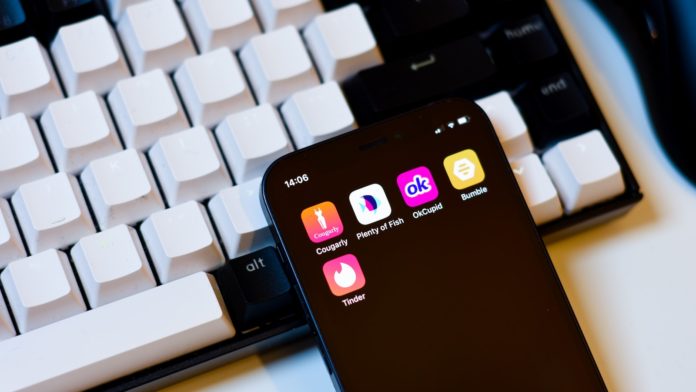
344	275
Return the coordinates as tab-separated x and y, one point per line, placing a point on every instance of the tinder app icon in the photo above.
322	222
344	275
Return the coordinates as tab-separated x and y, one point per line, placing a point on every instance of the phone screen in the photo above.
419	263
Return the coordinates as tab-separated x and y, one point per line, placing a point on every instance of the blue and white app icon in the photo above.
370	204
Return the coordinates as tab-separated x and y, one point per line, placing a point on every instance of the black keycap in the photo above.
408	17
51	15
255	288
523	42
14	21
400	83
560	98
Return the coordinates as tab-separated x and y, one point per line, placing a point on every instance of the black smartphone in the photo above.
418	262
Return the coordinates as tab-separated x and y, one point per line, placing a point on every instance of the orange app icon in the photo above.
322	222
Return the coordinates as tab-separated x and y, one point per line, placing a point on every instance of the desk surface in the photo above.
631	282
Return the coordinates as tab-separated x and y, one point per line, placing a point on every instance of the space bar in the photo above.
117	339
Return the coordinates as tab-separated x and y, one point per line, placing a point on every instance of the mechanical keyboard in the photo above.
133	135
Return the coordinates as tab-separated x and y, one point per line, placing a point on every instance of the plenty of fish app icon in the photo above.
344	275
370	204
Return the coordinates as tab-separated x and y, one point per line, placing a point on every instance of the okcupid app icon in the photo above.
322	222
344	275
417	186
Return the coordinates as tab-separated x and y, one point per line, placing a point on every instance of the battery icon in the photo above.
463	120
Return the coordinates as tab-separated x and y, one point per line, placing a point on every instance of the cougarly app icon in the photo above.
344	275
322	222
417	186
370	204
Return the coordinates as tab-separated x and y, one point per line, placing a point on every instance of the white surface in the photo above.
220	23
41	290
116	7
189	166
88	56
508	123
342	43
23	156
11	247
538	190
78	130
317	114
630	281
212	86
27	79
181	241
121	189
275	14
154	36
277	65
118	338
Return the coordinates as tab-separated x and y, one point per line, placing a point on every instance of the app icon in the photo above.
322	222
370	204
417	186
344	275
464	169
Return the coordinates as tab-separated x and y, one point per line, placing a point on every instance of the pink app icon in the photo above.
344	275
417	186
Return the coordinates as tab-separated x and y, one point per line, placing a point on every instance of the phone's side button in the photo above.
256	289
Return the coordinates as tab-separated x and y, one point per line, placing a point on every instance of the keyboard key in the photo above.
27	80
117	7
317	114
508	123
537	189
189	166
7	330
278	65
342	43
416	16
41	290
220	23
23	157
256	288
88	57
181	241
275	14
11	247
14	21
251	140
584	170
212	86
146	108
524	41
52	212
239	217
79	129
154	36
50	15
112	265
75	354
121	189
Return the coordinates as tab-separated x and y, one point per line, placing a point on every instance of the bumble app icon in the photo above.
464	169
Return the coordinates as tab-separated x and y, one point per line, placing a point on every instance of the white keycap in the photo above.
212	86
154	36
11	247
251	140
537	189
342	43
41	289
52	212
278	65
317	114
181	241
116	7
238	215
278	13
88	57
79	129
118	339
146	108
7	330
508	123
220	23
121	189
584	170
189	166
112	265
27	79
23	157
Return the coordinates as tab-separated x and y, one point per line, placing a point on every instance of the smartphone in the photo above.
419	264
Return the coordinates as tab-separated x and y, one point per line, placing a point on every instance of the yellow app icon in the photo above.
464	169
